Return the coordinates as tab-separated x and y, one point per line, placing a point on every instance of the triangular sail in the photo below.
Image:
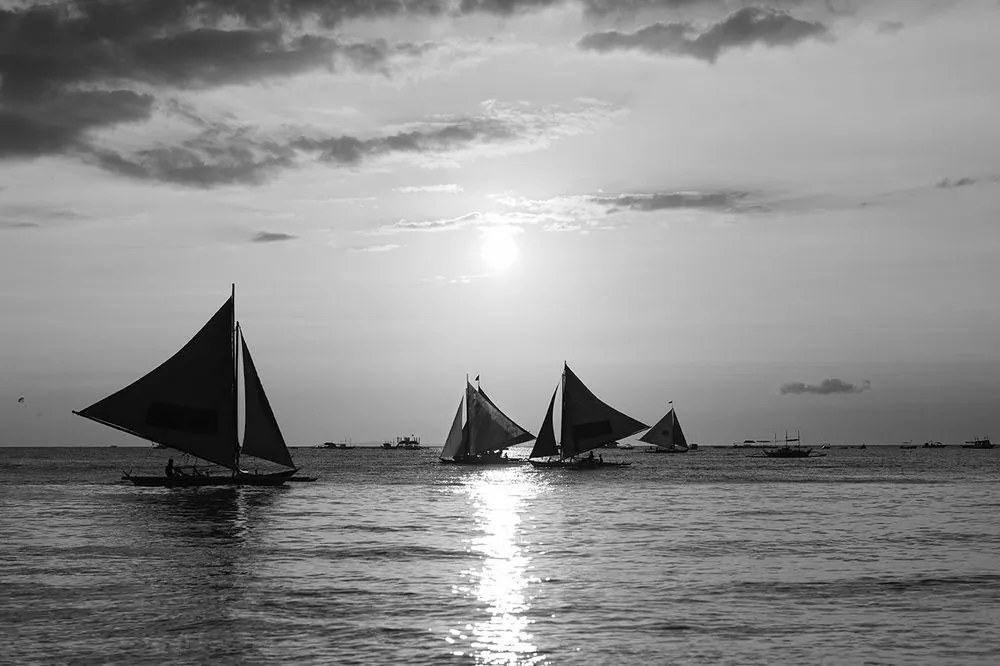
188	402
667	433
545	444
489	428
455	444
261	435
588	422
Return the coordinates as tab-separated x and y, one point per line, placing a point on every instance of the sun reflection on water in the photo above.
497	497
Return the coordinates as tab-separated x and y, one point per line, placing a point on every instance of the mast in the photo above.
234	327
562	410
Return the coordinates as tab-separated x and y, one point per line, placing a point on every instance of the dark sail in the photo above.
546	445
261	435
588	422
188	402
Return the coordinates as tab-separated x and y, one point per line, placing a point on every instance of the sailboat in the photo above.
587	423
789	451
190	403
666	436
486	433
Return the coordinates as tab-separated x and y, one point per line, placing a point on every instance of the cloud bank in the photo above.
825	387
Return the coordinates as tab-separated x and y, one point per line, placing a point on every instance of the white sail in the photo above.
490	429
587	421
455	444
545	444
667	433
188	402
261	435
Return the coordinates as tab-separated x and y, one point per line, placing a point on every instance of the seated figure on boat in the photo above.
171	470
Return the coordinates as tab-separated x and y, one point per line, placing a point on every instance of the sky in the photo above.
778	215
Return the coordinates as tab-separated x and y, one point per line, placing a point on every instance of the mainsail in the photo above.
667	433
261	435
188	402
587	421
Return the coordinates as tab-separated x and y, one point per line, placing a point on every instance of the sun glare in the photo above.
499	248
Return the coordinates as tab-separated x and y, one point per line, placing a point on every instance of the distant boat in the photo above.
789	451
588	423
331	445
666	436
907	445
410	443
190	403
486	434
978	443
933	445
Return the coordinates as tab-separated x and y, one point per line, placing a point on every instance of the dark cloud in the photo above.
56	122
271	237
947	183
744	27
825	387
19	225
672	200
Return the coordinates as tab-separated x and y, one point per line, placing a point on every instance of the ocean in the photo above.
720	556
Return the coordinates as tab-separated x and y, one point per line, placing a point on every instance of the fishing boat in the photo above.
978	443
666	436
336	445
789	451
587	423
933	445
189	403
486	434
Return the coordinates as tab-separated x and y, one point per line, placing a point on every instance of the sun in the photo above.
499	249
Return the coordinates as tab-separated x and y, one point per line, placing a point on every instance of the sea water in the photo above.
720	556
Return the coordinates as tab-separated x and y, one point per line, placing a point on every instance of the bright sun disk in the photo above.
499	249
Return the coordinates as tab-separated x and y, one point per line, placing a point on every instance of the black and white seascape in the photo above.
583	332
881	555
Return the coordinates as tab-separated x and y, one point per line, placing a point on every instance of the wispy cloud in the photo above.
449	188
579	212
825	387
889	27
272	237
947	183
745	27
388	247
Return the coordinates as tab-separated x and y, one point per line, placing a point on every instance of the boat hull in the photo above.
482	463
200	481
576	464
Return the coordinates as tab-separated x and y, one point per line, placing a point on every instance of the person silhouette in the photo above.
170	469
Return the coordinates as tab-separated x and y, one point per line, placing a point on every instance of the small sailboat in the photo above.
587	423
666	436
189	403
486	434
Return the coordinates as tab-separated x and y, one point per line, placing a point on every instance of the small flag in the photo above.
477	378
20	400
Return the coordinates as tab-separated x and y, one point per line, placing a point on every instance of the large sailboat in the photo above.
486	434
587	423
666	436
190	403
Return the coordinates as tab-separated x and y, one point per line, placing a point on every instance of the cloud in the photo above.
450	188
825	387
19	225
57	122
388	247
577	212
228	153
723	200
947	184
272	237
744	27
